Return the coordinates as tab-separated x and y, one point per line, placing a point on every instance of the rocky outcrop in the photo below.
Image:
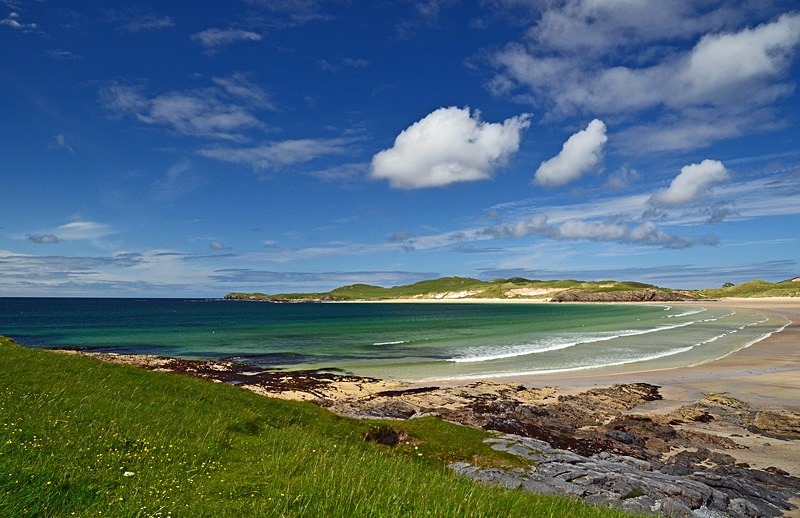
647	295
647	487
593	444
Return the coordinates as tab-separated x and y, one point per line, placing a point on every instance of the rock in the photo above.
634	485
778	425
647	295
384	435
389	410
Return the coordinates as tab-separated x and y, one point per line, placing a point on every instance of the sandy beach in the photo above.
765	374
736	418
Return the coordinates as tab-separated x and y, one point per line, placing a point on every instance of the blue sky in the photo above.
184	149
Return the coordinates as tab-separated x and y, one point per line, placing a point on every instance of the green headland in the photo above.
453	288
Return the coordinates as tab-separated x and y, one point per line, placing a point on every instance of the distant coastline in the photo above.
464	289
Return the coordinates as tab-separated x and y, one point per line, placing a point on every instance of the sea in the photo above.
409	341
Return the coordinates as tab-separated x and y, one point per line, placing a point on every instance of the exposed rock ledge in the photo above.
605	445
621	296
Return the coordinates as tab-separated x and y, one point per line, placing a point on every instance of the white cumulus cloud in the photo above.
675	61
725	64
581	153
447	146
692	180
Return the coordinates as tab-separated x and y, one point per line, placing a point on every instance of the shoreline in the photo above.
735	418
764	373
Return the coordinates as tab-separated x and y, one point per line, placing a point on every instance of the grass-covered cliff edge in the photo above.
455	288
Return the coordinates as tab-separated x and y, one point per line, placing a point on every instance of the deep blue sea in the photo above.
394	340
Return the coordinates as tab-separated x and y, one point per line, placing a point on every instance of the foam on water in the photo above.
541	372
557	344
745	345
691	311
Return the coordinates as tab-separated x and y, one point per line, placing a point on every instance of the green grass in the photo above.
79	437
753	289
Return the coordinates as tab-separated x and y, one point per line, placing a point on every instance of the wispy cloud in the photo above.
343	173
60	142
43	239
139	20
609	230
275	155
424	13
62	54
88	230
214	38
622	178
239	86
687	276
179	179
292	13
14	20
315	281
125	274
447	146
219	112
630	218
343	63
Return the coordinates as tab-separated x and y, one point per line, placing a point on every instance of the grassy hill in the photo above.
451	288
81	437
454	288
757	288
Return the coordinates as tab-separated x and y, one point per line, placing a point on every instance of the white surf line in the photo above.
745	346
394	342
468	377
525	352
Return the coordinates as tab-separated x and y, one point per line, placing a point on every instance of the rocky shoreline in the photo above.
611	445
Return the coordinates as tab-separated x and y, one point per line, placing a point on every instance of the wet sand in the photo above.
766	374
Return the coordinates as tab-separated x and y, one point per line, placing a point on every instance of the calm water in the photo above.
410	341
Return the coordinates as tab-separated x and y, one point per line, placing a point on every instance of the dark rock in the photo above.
405	392
625	437
633	485
384	435
647	295
389	410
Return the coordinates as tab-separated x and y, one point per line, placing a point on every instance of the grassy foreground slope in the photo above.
85	438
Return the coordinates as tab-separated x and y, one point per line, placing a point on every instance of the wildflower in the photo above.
128	474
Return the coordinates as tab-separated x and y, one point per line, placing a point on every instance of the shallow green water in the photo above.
410	341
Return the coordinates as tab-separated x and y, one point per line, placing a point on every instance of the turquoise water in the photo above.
406	341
